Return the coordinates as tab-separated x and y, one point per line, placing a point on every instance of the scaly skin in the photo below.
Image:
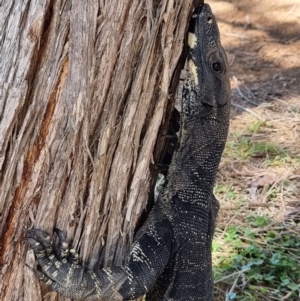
171	255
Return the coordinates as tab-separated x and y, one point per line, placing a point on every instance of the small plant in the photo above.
256	126
242	147
228	191
254	259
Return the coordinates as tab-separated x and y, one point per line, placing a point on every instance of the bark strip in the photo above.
85	97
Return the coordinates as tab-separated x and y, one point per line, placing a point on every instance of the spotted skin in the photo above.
171	256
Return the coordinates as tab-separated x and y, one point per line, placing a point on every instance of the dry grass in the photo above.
259	176
261	163
258	184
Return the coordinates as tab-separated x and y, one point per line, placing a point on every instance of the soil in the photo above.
260	169
262	41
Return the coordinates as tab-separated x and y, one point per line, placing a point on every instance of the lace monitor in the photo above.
171	255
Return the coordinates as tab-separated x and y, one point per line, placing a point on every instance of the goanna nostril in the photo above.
209	19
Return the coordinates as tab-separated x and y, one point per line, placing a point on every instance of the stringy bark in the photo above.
86	89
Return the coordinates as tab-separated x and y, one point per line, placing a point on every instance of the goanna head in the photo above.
206	94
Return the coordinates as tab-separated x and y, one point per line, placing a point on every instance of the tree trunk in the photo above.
86	94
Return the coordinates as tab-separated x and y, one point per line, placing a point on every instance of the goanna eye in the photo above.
216	66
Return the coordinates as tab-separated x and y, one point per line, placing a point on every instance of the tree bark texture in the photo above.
86	89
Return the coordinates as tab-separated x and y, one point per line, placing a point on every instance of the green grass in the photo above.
255	257
227	191
255	126
258	260
242	147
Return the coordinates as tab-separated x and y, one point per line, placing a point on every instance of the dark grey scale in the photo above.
171	256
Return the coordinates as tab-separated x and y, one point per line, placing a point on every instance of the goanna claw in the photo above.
38	234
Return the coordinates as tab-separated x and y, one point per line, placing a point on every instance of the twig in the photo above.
247	110
240	92
240	36
287	296
232	288
233	274
228	224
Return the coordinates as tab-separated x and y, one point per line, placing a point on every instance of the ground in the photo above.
257	244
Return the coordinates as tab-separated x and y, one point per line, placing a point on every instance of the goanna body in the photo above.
171	256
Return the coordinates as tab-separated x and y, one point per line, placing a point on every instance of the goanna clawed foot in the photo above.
57	265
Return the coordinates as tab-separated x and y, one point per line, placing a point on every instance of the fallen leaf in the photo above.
265	180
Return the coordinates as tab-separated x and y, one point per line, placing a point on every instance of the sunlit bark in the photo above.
86	89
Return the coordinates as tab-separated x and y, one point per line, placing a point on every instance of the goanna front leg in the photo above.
59	266
61	273
147	260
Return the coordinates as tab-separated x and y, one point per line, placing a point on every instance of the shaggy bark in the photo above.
86	92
